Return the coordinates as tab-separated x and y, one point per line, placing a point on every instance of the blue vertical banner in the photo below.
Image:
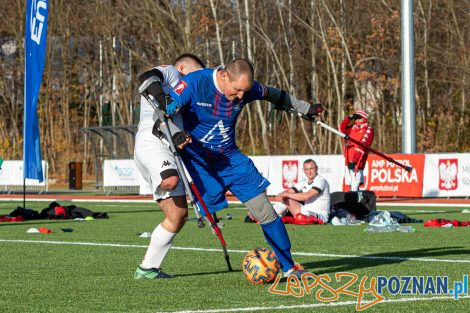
35	55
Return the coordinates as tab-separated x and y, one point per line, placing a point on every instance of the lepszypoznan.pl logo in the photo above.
404	285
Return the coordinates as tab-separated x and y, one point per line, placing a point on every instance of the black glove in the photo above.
351	166
181	139
315	109
355	116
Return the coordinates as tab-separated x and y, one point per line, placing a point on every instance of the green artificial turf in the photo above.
40	275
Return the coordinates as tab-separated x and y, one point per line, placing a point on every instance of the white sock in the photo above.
354	180
160	242
280	208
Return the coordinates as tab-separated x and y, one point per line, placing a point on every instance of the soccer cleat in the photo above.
297	271
152	273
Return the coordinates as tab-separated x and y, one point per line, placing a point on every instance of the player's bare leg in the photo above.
293	206
176	213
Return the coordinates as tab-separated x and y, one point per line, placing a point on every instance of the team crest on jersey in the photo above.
180	87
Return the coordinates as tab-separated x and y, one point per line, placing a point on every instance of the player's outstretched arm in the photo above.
284	101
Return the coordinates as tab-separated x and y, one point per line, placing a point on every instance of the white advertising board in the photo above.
443	175
120	173
447	175
284	171
262	164
11	174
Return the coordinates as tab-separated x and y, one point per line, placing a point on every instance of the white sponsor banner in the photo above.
447	175
120	173
11	174
262	164
284	171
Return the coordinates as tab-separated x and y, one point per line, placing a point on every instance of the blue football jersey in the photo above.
208	115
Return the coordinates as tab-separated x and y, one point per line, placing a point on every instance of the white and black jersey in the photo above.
152	155
148	117
318	205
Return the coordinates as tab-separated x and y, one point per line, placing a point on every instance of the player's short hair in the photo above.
237	67
189	57
310	161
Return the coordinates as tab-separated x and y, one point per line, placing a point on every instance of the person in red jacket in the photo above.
356	127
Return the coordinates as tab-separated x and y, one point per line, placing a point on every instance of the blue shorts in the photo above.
236	173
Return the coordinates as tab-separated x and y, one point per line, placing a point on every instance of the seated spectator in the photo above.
310	197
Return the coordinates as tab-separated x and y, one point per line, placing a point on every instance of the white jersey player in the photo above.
157	165
311	197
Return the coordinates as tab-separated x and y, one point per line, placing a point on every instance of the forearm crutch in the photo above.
407	168
188	182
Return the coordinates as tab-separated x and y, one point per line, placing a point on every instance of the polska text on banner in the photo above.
387	179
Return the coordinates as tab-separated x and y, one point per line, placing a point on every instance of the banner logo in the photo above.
124	172
448	170
290	173
325	289
387	179
38	9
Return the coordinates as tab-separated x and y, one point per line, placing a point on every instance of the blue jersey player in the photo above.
210	101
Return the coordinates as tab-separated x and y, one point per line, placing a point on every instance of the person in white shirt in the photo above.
157	165
311	197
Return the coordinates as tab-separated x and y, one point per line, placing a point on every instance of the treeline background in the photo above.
318	50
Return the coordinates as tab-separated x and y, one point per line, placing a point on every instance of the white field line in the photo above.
330	255
314	305
78	200
380	204
424	211
424	205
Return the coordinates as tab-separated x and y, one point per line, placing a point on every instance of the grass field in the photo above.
91	269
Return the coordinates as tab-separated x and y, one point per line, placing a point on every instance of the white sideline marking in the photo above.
78	200
313	305
379	204
118	245
424	211
424	205
96	244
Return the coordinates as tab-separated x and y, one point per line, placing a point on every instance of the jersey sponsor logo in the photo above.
180	87
204	104
290	173
448	171
166	163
